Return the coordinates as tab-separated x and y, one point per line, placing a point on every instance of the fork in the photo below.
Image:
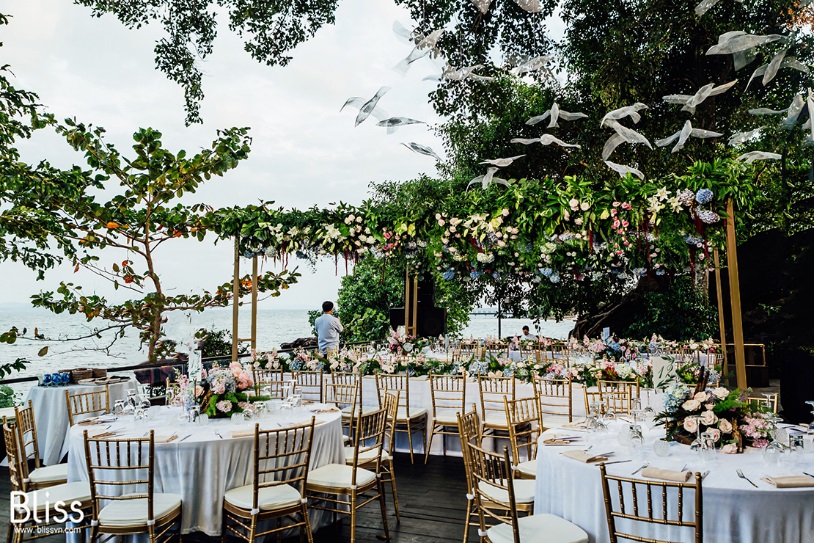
640	468
742	476
218	434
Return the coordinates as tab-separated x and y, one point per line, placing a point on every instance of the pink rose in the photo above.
729	448
715	433
708	418
224	406
725	426
701	397
720	392
690	424
691	405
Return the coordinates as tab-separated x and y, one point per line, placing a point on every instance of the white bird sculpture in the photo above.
422	150
487	179
623	170
691	102
555	114
752	156
482	5
502	162
686	132
623	135
367	108
532	65
739	138
532	6
545	139
734	42
706	5
769	71
622	112
395	122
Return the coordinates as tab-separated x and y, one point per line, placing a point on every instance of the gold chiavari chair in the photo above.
633	494
345	390
34	521
560	352
469	431
277	491
269	382
767	403
387	468
614	389
492	391
344	489
525	427
121	473
310	385
498	502
93	403
555	398
41	476
409	420
617	400
448	399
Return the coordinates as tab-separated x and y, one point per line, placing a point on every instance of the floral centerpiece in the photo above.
725	415
221	391
400	343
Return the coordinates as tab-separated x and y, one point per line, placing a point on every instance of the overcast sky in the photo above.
305	151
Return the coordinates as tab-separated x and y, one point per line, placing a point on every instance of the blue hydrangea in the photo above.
546	272
496	275
692	240
555	277
674	395
707	217
703	196
479	367
508	372
449	275
475	274
296	364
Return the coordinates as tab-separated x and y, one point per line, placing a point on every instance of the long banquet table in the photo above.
51	414
207	463
733	510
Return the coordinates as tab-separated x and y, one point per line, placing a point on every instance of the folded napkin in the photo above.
556	440
584	457
575	424
791	481
668	475
96	434
101	419
157	438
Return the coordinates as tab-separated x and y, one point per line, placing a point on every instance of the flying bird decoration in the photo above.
691	102
450	73
623	135
623	170
533	65
367	107
706	5
686	132
555	114
622	112
393	123
758	155
422	150
501	162
532	6
424	45
769	71
739	138
738	41
487	179
545	139
482	5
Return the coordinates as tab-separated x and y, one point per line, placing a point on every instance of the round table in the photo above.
205	460
733	509
51	414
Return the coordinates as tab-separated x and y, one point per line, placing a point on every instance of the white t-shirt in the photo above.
328	328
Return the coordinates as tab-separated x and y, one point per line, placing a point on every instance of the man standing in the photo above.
527	335
328	328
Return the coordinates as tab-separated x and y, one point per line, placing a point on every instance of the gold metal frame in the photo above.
448	392
369	434
27	439
311	385
525	427
555	397
283	456
270	379
492	392
635	488
409	424
106	457
86	403
765	402
345	390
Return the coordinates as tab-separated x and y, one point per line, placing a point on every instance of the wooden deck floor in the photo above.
431	498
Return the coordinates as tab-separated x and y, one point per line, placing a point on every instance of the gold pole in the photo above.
735	296
415	305
235	299
719	291
254	304
407	298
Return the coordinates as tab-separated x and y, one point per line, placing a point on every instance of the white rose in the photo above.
725	426
720	392
715	433
585	206
729	448
701	397
708	418
690	424
691	405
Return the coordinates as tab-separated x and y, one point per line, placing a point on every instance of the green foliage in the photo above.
681	313
8	398
315	314
366	296
213	343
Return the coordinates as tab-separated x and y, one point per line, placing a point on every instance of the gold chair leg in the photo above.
307	520
384	511
410	440
467	519
393	489
427	451
353	517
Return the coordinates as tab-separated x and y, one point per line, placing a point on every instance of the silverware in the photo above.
616	462
703	475
218	434
684	468
641	468
805	473
183	438
742	476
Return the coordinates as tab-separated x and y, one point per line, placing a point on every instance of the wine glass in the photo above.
771	397
773	451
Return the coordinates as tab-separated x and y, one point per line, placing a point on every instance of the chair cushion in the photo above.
528	468
49	474
134	512
364	456
495	419
446	417
348	410
68	492
523	491
339	476
269	498
543	528
415	413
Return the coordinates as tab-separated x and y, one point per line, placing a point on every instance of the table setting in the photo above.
201	457
761	492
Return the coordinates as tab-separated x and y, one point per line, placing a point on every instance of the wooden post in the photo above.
719	291
410	304
235	299
735	296
254	304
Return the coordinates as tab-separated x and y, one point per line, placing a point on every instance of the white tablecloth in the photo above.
204	466
51	414
733	509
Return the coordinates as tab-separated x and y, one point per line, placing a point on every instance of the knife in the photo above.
183	438
616	462
805	473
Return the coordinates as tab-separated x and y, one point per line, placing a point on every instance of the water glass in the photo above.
118	407
661	448
238	418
